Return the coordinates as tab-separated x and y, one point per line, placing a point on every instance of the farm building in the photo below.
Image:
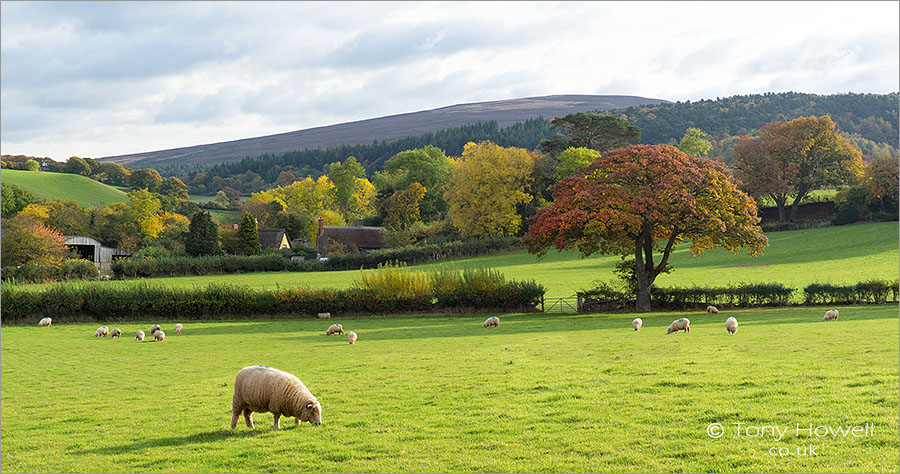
90	249
273	239
356	238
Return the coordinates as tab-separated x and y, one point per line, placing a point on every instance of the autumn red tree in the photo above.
643	200
28	242
791	159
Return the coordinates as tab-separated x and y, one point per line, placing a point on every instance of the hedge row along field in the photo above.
228	264
386	290
872	291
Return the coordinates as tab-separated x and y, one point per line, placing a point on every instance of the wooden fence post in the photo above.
542	303
579	304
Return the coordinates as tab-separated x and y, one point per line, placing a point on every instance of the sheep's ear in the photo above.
309	405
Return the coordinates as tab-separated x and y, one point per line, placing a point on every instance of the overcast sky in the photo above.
105	78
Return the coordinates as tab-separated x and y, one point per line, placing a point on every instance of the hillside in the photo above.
504	112
869	121
81	189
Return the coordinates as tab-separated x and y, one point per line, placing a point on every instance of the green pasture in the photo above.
817	195
838	255
81	189
541	393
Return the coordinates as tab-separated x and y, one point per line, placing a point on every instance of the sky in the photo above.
96	79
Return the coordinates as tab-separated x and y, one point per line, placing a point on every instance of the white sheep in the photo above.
178	328
103	278
264	389
680	324
335	329
712	309
637	323
351	337
154	328
831	314
115	333
139	335
102	331
492	321
159	335
323	315
45	322
731	325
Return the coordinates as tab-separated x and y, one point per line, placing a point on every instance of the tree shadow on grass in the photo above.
196	438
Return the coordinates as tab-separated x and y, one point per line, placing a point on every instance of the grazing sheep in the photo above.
712	309
492	321
351	337
139	335
831	314
323	315
731	325
159	335
264	389
154	328
335	329
680	324
102	331
637	323
178	328
115	333
45	322
103	278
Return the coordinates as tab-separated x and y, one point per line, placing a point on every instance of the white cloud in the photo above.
105	78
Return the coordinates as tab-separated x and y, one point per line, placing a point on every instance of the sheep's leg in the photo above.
297	421
248	417
277	423
235	413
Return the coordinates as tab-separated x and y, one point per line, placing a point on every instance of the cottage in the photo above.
273	239
90	249
358	238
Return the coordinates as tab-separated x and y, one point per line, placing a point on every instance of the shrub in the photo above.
69	269
869	291
847	215
386	290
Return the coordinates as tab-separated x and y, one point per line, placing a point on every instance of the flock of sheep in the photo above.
116	333
260	388
731	324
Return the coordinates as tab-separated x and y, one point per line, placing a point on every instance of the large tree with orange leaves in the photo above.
643	200
791	159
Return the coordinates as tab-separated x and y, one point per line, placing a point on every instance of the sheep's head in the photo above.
312	413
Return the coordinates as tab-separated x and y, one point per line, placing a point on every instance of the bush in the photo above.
388	289
870	291
846	215
69	269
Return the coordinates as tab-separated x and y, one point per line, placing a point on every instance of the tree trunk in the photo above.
779	202
796	205
641	273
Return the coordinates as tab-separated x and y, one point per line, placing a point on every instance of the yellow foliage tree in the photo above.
486	184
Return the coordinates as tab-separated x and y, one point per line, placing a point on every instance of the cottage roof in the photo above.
353	237
271	238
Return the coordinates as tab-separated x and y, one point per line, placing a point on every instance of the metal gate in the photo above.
570	304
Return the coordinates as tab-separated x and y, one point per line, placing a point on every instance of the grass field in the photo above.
81	189
840	255
541	393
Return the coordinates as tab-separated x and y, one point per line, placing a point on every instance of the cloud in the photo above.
104	78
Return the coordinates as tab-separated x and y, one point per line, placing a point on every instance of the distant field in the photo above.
81	189
843	254
814	196
541	393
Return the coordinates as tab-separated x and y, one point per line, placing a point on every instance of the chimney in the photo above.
321	226
359	222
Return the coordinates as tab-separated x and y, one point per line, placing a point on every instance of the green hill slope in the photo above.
83	190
